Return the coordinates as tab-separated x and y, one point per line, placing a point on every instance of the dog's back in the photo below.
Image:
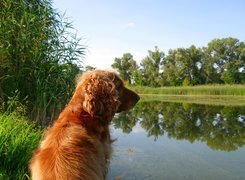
69	152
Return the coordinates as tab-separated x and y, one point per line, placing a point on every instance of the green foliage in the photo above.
233	90
151	66
186	81
18	138
126	67
89	68
222	61
228	56
39	55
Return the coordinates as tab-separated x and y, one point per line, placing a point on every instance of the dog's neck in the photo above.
98	126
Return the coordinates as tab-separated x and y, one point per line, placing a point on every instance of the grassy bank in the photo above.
198	99
223	90
18	138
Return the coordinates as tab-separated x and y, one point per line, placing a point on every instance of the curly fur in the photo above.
78	145
105	92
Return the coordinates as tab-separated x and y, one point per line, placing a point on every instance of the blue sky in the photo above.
112	27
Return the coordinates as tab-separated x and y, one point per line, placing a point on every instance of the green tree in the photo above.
89	68
228	57
182	66
170	69
151	68
187	62
126	67
208	72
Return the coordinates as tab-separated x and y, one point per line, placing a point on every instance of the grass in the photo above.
18	138
198	99
224	90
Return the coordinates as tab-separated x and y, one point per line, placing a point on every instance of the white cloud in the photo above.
130	24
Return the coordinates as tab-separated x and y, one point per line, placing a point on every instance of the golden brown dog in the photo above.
78	145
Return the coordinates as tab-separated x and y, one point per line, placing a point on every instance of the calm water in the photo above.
161	140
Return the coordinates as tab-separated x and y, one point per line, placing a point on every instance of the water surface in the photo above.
166	140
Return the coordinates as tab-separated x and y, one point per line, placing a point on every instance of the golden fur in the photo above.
78	145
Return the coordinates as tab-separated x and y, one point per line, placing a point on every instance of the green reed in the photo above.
40	56
234	90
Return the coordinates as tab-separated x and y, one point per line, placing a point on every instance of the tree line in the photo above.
221	62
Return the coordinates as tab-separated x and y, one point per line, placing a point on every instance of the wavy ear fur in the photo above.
100	97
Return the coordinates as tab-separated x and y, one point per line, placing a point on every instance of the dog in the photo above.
78	145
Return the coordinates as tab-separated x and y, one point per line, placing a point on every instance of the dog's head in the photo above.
104	94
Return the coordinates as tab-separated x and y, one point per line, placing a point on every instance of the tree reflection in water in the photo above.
220	127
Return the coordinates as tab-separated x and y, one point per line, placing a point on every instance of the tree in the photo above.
228	57
182	66
126	67
188	60
89	68
208	72
151	68
170	69
222	61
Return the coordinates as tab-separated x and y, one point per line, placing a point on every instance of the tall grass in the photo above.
234	90
18	138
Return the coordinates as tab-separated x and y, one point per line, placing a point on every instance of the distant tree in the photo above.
126	66
89	68
208	72
228	58
222	61
151	68
137	77
182	66
188	60
170	70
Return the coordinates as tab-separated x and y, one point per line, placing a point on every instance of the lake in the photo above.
167	140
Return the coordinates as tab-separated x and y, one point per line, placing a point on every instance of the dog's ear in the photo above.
100	95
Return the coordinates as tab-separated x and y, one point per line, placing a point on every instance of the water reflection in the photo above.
220	127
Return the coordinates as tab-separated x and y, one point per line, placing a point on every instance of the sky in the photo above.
110	28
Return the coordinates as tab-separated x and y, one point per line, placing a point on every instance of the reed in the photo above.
40	55
232	90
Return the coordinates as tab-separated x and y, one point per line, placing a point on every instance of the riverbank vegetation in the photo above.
213	90
39	56
222	61
217	100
